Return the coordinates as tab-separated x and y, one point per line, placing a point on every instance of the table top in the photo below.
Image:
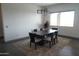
44	32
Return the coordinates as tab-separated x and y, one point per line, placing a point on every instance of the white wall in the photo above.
67	31
1	25
20	19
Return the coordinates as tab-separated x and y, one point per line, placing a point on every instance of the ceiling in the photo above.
44	4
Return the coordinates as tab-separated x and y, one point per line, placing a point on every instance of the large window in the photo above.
64	19
53	18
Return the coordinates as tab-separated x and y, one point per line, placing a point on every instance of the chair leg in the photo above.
49	44
54	41
30	44
35	46
55	38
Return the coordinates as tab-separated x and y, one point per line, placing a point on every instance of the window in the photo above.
53	19
67	19
64	19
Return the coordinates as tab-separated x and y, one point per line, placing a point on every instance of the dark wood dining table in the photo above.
43	33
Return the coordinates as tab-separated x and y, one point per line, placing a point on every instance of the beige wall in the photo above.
19	19
67	31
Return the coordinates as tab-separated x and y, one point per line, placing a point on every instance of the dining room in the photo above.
40	29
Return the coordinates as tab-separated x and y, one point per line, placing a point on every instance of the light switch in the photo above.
6	26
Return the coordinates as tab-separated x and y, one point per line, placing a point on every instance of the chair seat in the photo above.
37	40
54	36
48	39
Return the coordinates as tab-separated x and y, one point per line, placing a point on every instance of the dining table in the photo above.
46	33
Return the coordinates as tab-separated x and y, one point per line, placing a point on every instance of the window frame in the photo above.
58	23
57	19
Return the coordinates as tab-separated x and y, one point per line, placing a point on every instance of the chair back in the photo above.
55	28
32	37
35	30
41	29
50	35
56	34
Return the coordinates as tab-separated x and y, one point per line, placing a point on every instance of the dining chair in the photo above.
34	39
52	38
49	39
55	36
